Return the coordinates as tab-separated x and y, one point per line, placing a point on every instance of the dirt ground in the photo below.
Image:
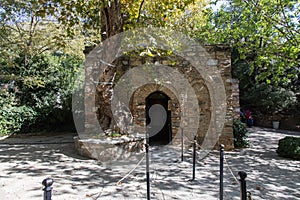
26	161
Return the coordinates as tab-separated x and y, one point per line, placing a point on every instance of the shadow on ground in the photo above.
25	162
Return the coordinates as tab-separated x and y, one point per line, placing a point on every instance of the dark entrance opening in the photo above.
159	101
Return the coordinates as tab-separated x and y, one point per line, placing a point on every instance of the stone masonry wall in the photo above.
220	56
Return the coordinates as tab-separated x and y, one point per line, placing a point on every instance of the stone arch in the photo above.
138	106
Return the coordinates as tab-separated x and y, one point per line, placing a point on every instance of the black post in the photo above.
147	165
181	144
194	158
48	188
221	170
243	176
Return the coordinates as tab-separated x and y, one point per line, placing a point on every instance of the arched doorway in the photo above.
159	101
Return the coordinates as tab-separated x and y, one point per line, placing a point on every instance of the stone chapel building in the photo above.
146	95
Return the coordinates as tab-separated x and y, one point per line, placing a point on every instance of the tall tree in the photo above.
107	18
264	35
39	57
24	31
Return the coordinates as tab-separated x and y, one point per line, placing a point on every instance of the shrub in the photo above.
240	134
46	84
289	147
13	117
275	98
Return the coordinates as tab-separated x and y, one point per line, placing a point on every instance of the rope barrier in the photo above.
205	151
236	180
249	195
154	176
208	153
227	164
120	181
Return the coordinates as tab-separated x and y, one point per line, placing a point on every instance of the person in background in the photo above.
242	116
249	118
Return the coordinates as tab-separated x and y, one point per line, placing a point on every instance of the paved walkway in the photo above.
25	162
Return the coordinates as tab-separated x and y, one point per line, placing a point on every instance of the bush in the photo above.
45	85
289	147
13	117
275	98
240	134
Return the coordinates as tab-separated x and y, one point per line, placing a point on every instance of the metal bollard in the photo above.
194	158
181	144
243	176
221	170
48	188
147	171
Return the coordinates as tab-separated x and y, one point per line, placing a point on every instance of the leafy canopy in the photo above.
134	13
264	34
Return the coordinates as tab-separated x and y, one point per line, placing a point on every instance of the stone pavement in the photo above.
26	161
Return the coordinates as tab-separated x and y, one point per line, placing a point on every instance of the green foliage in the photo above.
47	85
14	117
289	147
38	54
91	16
23	30
115	135
240	133
184	15
264	35
275	99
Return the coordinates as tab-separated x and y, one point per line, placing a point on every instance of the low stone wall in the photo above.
286	121
108	150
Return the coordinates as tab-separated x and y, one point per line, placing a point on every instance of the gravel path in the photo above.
25	162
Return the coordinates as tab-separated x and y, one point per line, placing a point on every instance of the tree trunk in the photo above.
112	24
111	19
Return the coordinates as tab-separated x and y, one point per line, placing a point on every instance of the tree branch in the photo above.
140	9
